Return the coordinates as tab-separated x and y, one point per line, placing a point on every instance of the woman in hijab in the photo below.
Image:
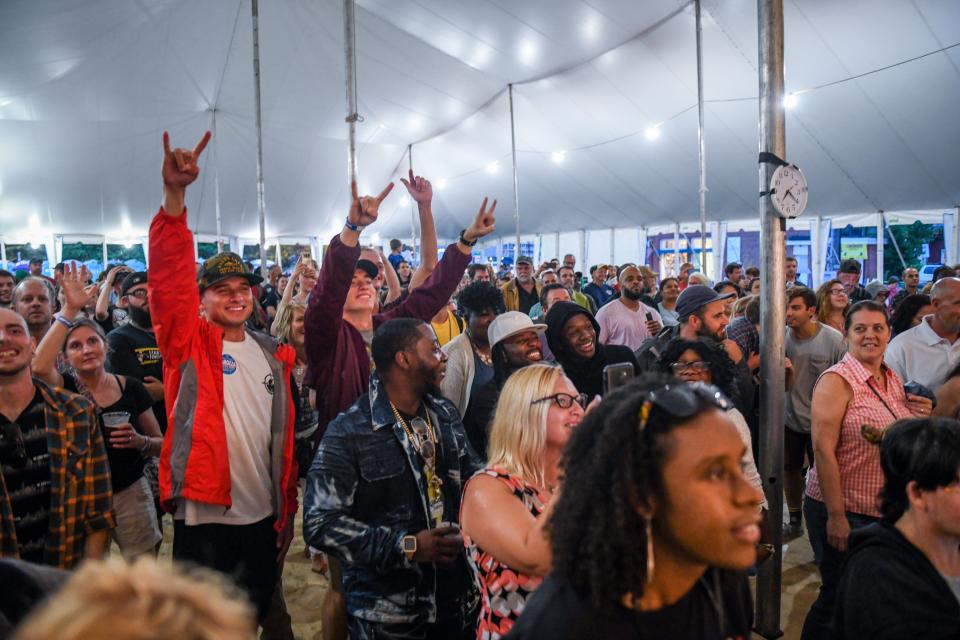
573	337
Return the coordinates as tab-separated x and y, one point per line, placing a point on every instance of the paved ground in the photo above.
303	589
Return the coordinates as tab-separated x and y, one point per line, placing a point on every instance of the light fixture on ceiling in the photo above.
558	156
493	167
652	133
442	184
790	100
404	201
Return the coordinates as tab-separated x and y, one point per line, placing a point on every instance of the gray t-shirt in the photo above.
954	584
810	358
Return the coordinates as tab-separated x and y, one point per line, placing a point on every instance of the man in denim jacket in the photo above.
383	496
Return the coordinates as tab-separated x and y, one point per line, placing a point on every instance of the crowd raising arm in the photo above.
421	191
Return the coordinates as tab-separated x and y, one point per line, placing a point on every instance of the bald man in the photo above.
626	320
928	352
33	299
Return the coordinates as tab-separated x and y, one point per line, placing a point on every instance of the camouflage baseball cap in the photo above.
222	266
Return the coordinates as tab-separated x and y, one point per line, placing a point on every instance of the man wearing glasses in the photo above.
56	506
383	496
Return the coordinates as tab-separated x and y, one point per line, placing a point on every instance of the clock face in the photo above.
788	191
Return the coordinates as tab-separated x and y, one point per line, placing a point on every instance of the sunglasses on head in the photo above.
564	400
682	400
12	433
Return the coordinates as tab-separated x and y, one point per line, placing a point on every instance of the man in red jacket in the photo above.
226	467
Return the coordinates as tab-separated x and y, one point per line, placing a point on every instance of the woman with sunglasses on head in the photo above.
537	411
655	525
853	402
832	304
902	576
128	443
701	361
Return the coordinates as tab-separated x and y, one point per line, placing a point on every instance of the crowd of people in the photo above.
479	454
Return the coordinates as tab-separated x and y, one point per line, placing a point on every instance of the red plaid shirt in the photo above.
81	501
861	477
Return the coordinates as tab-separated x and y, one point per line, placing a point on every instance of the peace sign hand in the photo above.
180	166
364	211
483	224
419	188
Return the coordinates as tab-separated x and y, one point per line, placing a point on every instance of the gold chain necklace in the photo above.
415	440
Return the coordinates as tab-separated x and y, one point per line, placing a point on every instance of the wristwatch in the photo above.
409	547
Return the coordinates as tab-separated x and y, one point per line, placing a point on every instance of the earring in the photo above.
648	527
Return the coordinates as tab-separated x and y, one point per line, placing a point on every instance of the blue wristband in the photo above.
59	318
351	226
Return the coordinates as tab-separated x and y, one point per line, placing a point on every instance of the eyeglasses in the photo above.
12	433
564	400
837	292
698	365
682	400
139	294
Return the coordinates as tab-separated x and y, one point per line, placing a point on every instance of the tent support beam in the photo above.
676	248
261	204
956	234
516	183
349	56
700	138
413	205
893	239
216	181
772	310
880	256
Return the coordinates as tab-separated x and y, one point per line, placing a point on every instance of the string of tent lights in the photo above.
653	132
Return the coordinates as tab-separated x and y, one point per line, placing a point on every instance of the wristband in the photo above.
465	241
146	444
67	323
351	226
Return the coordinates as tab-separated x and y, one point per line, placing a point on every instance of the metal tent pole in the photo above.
413	205
956	234
676	248
880	225
516	183
893	239
700	138
772	309
216	183
261	204
349	56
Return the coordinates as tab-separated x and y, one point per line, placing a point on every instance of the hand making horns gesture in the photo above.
364	211
180	166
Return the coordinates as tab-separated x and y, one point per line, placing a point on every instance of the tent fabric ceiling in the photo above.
87	88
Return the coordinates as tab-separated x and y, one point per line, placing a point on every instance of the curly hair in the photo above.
824	308
906	309
477	297
597	532
723	372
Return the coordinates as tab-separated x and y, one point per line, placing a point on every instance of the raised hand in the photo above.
73	284
364	211
483	224
419	188
180	166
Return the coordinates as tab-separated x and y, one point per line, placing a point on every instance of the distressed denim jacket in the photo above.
366	490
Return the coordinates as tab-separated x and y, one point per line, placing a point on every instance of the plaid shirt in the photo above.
81	502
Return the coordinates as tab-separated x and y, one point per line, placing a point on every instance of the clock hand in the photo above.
787	193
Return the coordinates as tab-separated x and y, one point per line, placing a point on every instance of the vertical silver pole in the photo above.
676	248
516	184
703	148
349	56
3	254
216	183
956	234
413	205
880	236
772	309
104	252
261	205
613	246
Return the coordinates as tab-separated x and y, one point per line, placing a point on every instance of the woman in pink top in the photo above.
854	401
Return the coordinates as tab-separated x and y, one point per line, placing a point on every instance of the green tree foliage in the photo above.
911	240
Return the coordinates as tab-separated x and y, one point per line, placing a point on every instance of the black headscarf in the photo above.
586	374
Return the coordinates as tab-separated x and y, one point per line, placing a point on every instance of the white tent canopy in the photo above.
86	88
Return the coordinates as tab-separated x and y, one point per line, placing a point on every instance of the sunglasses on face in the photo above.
140	294
420	429
12	433
698	366
564	400
682	400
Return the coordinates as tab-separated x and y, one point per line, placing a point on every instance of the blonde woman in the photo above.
509	554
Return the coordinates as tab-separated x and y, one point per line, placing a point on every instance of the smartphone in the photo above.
916	389
649	316
616	375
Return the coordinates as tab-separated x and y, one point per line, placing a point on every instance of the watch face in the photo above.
788	189
409	543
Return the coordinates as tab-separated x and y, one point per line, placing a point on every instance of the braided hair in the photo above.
615	470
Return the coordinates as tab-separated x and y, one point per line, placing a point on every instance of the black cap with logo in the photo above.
132	280
222	266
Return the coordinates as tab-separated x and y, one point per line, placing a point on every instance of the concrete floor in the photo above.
304	590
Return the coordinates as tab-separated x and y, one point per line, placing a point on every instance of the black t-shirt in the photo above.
134	353
126	465
557	612
527	300
269	297
27	478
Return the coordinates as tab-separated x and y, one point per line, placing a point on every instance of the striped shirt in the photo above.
81	501
861	477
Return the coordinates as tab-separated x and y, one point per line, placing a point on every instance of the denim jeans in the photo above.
830	561
456	620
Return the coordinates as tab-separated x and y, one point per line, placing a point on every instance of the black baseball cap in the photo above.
524	260
132	280
368	267
697	296
222	266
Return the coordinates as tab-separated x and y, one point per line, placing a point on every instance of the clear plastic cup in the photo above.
112	420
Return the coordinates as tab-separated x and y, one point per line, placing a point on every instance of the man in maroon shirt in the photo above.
340	322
